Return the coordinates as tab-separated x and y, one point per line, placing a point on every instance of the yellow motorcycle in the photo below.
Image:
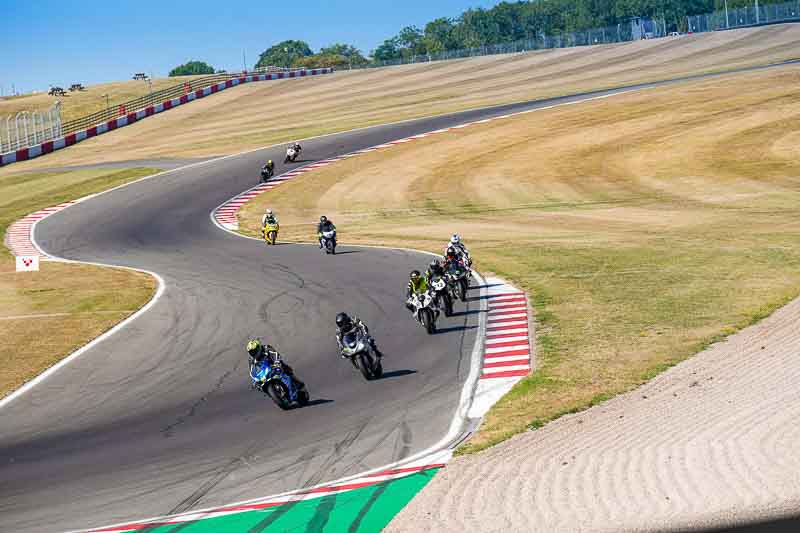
270	232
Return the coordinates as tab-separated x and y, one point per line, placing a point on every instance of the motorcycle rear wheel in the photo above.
303	397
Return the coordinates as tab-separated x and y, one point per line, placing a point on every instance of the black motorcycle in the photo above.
441	294
358	347
457	277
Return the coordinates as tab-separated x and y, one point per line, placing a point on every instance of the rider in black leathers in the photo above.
345	324
324	225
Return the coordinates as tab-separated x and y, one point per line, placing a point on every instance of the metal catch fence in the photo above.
610	34
754	15
27	128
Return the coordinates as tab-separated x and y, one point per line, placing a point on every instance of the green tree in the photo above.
411	42
440	35
191	68
352	54
284	54
322	60
387	51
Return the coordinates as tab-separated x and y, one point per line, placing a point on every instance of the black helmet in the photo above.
343	321
436	265
323	218
414	274
451	251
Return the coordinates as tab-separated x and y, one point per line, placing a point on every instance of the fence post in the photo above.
35	127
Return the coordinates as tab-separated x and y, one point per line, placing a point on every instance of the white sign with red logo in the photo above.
27	263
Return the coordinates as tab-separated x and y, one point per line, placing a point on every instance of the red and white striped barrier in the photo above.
49	146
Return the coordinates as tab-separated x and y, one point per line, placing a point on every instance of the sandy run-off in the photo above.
711	442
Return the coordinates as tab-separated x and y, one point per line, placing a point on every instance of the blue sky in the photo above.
44	42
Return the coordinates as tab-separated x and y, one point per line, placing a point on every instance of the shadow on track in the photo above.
349	252
318	401
397	374
468	312
440	331
487	286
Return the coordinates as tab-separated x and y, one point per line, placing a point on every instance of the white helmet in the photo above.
455	239
269	212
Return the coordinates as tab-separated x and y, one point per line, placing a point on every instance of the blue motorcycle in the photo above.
277	384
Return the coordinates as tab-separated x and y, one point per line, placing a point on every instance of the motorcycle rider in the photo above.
269	168
345	324
258	352
461	250
324	225
434	269
416	285
268	218
453	256
294	146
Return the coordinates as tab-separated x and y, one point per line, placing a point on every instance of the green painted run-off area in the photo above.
368	509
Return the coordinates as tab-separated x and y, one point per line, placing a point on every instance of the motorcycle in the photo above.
266	174
457	280
357	347
329	241
425	310
277	384
441	294
291	155
270	232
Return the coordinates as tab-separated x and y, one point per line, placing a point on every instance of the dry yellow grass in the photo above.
46	315
643	226
260	114
80	103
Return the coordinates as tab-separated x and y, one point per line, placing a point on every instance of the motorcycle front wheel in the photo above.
462	290
448	304
271	236
364	363
278	394
428	322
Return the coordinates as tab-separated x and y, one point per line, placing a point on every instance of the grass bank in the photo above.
81	103
48	314
259	114
644	226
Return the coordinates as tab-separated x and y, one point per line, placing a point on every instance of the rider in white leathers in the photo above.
455	242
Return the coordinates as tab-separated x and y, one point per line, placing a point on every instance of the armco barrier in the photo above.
68	140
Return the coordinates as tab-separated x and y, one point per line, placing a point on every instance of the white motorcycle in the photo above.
291	154
329	241
425	311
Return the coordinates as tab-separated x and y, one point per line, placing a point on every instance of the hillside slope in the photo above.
263	113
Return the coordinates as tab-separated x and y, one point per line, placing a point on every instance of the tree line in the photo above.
505	22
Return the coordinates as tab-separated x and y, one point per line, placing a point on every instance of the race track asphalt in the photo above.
160	419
